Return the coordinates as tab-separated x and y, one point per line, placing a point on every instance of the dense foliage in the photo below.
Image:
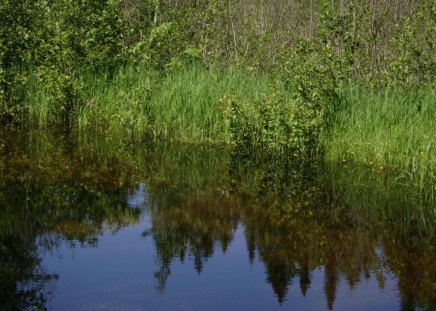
351	80
309	50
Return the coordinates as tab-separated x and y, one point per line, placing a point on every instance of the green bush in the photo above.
273	124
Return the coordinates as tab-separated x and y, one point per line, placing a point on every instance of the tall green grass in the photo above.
181	105
389	130
186	105
116	102
393	129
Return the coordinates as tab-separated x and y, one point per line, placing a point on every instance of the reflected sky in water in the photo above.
100	226
124	280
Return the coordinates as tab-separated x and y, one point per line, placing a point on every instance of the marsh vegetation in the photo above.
298	122
346	80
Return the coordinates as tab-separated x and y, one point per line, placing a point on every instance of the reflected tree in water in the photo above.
49	196
297	218
191	226
294	223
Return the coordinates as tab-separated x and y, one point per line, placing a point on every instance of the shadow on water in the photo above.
352	222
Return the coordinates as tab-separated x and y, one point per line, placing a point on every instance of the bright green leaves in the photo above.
413	57
274	124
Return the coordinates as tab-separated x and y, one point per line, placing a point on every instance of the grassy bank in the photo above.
194	105
209	73
391	129
182	105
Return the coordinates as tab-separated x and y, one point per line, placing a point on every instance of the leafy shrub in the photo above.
273	124
412	60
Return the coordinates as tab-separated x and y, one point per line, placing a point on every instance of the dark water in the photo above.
97	223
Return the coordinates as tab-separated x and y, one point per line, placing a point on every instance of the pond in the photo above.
90	222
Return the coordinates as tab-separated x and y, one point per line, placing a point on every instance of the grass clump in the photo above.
194	104
389	130
116	102
180	105
186	105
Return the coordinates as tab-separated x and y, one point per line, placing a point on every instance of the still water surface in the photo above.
107	224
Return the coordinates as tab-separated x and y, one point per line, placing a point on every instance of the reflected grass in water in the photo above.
350	221
390	129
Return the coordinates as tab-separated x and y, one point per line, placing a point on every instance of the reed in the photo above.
181	105
388	130
392	129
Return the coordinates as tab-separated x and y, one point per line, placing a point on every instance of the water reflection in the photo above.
37	217
291	250
350	223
